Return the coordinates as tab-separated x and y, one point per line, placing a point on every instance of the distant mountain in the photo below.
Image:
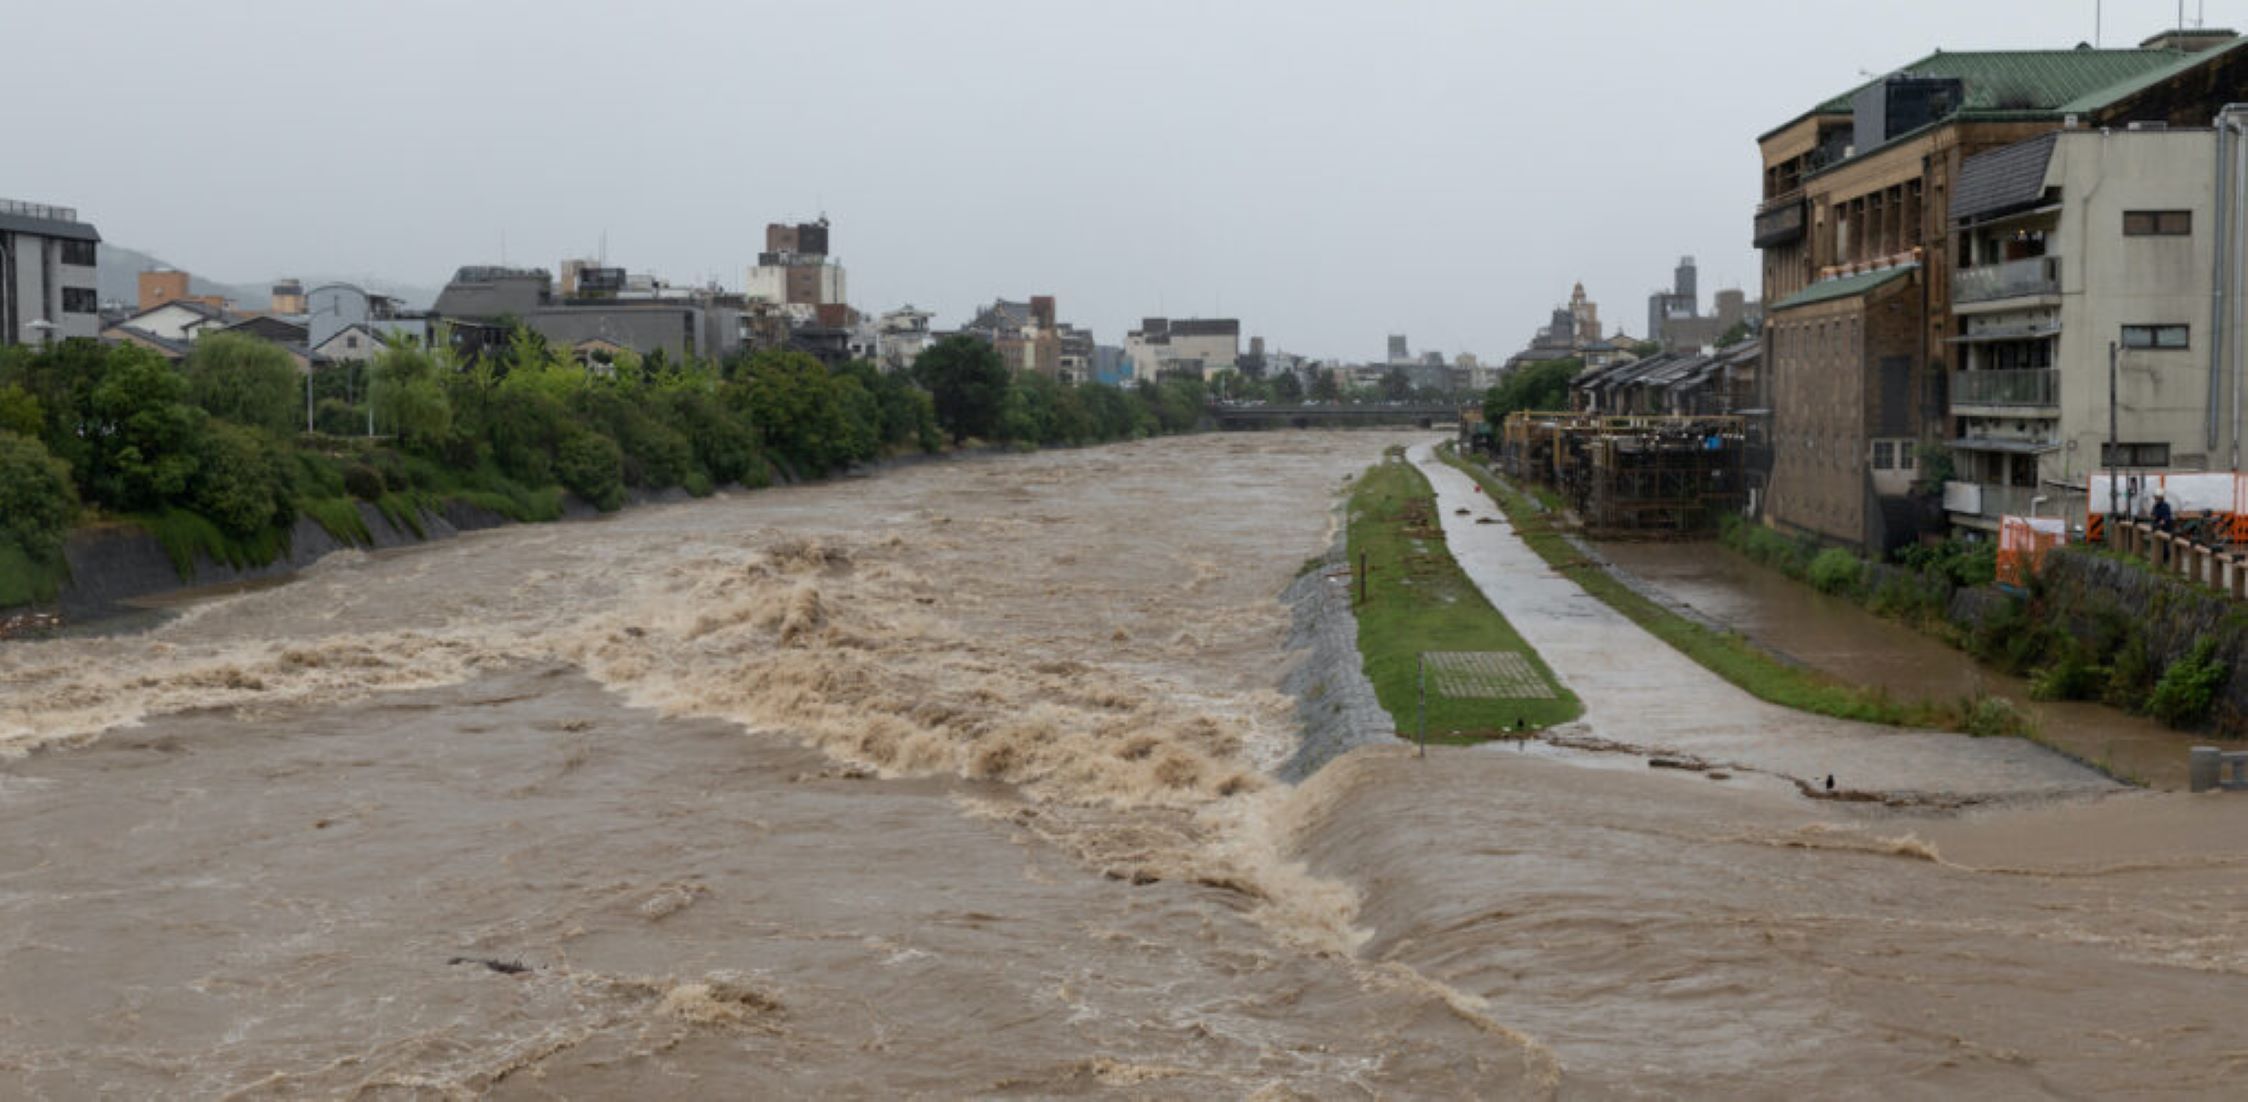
119	281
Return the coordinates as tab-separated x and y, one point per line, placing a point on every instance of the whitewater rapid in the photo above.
959	781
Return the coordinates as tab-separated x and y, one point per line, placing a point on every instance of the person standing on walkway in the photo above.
2162	515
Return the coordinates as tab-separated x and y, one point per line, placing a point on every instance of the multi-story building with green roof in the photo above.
1858	267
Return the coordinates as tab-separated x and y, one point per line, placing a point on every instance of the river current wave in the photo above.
960	780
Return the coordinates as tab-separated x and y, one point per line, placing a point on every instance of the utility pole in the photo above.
2115	451
1420	674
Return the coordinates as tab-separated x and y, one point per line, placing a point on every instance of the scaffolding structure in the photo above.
1633	475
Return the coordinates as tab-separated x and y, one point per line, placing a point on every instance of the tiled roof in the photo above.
2098	98
2034	80
47	227
1844	287
2003	179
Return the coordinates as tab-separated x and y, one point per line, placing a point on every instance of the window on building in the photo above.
80	300
80	253
1884	455
2157	223
2135	455
2155	336
1904	455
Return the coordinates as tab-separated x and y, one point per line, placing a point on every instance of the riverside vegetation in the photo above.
1418	600
212	457
2090	625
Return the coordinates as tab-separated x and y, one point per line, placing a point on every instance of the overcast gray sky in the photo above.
1328	172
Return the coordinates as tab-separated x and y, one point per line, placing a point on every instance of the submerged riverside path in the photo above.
1640	692
1667	933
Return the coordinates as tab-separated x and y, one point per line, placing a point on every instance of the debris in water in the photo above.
503	967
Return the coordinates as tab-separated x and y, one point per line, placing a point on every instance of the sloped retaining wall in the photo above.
1334	700
112	565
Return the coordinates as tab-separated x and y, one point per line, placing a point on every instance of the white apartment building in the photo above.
47	287
2070	243
1201	346
904	334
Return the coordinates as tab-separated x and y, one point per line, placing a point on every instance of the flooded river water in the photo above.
954	782
1843	639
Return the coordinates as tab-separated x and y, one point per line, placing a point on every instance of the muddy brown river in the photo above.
955	782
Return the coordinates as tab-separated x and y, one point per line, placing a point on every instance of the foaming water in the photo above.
956	782
482	817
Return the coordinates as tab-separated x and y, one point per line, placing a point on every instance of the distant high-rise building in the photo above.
795	269
1399	351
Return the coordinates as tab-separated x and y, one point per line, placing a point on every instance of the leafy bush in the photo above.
185	534
37	500
1836	571
237	482
1961	562
2130	675
410	401
339	517
143	432
1986	716
2189	686
337	417
20	412
364	482
245	380
2072	676
590	466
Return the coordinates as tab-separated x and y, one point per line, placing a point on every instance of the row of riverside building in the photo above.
794	297
1963	259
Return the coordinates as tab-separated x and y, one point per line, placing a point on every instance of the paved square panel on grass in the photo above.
1485	675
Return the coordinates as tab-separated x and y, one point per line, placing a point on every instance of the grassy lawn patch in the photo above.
25	580
1418	601
1728	655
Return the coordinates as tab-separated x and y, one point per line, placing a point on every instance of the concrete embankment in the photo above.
1334	700
115	564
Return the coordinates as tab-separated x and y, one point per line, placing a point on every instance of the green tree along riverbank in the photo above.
1728	655
211	457
1418	600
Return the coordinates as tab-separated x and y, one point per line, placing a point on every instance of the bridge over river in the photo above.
1419	415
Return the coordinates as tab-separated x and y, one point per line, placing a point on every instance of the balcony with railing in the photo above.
1990	501
2014	391
2027	278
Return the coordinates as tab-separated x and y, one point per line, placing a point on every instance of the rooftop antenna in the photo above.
604	248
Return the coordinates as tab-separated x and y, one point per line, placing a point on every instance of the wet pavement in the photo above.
1841	638
1641	693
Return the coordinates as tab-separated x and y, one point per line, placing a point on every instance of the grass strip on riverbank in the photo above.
1729	656
1419	601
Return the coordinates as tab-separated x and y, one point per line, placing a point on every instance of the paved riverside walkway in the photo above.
1640	692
